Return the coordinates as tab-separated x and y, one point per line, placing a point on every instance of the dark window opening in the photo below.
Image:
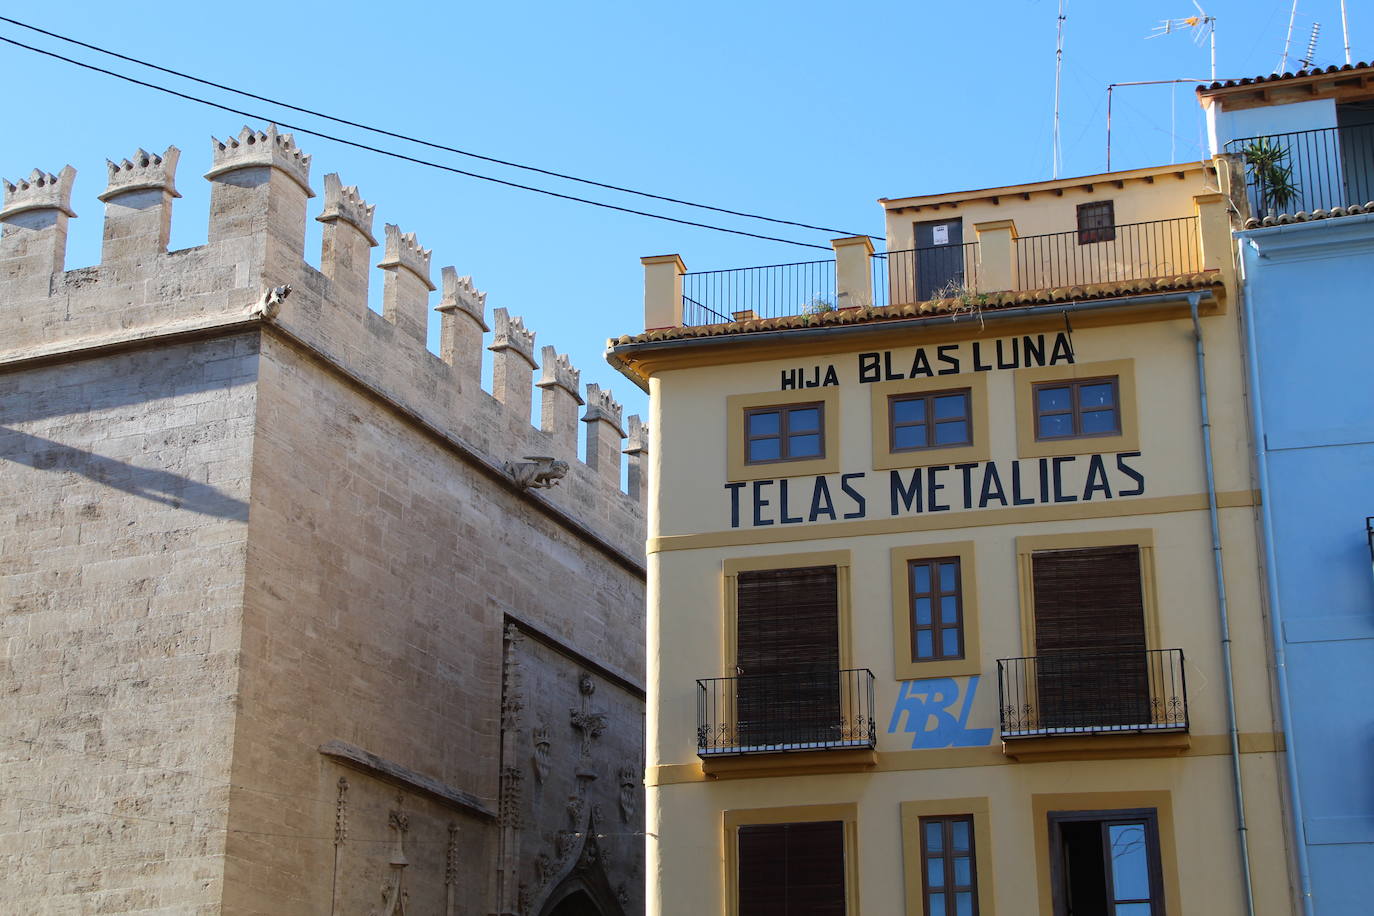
937	609
792	869
784	433
1096	222
1077	409
940	419
1106	863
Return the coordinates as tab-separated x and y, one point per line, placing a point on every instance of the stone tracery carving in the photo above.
542	759
629	784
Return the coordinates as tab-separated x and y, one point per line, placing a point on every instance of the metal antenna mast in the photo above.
1288	39
1203	26
1056	154
1311	46
1345	32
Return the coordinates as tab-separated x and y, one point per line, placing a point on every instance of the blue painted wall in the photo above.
1309	291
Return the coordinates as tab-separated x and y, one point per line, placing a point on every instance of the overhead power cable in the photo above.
403	156
411	139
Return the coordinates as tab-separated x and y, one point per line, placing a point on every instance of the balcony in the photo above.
1076	695
997	263
1307	170
789	713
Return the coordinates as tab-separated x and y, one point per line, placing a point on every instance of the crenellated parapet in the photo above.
560	384
405	293
637	452
237	283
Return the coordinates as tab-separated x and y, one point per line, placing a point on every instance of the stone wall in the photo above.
261	548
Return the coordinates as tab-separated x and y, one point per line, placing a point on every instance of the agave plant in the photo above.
1271	172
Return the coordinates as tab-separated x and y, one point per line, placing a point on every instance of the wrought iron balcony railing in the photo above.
1308	170
714	296
921	274
1077	693
1108	254
795	711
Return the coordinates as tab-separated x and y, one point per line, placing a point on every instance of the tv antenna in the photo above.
1056	154
1311	55
1288	38
1203	27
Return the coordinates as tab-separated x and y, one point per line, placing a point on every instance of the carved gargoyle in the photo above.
537	471
270	303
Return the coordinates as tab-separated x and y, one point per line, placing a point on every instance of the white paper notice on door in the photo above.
940	235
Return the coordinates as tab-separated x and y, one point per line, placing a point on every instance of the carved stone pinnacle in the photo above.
512	335
559	373
253	148
402	250
459	295
40	191
637	439
143	171
601	406
343	202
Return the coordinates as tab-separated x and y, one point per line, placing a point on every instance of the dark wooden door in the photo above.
938	261
788	657
1091	666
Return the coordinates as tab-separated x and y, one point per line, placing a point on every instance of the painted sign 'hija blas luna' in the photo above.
1022	352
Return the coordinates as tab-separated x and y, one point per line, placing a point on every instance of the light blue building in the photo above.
1306	142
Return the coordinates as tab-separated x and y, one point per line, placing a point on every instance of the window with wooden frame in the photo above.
949	877
1106	862
793	432
791	869
937	613
937	419
1096	222
1077	408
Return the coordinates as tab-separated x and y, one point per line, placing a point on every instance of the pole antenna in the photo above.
1311	46
1288	39
1056	153
1345	32
1203	27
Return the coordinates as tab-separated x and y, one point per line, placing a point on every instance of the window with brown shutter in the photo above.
792	869
1096	222
1090	665
788	656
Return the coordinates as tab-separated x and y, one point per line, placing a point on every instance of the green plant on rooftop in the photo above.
1272	173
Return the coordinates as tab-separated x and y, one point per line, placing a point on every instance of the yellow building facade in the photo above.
935	624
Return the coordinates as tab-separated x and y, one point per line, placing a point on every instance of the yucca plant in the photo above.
1271	172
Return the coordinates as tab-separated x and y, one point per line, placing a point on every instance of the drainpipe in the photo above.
1271	584
1222	612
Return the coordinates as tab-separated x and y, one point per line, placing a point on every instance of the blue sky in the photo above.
802	111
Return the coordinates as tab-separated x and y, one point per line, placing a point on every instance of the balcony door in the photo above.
1091	667
788	657
939	258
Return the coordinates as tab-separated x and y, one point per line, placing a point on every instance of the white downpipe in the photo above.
1271	585
1222	613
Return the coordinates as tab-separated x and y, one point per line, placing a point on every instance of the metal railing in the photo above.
921	274
714	296
1131	251
795	711
1308	170
1076	693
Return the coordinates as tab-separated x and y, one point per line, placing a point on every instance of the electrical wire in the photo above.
399	136
401	156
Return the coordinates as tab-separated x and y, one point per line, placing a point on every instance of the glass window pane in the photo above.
935	872
951	432
1099	421
948	577
963	905
925	644
950	406
803	446
764	423
765	450
920	578
1052	399
936	903
1130	861
923	612
949	643
804	420
909	437
908	411
963	871
959	838
1133	909
949	609
935	836
1096	395
1056	426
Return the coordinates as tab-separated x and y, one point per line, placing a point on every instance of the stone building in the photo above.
289	623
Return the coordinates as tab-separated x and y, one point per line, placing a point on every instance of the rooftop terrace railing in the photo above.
1108	254
1308	170
713	296
920	274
